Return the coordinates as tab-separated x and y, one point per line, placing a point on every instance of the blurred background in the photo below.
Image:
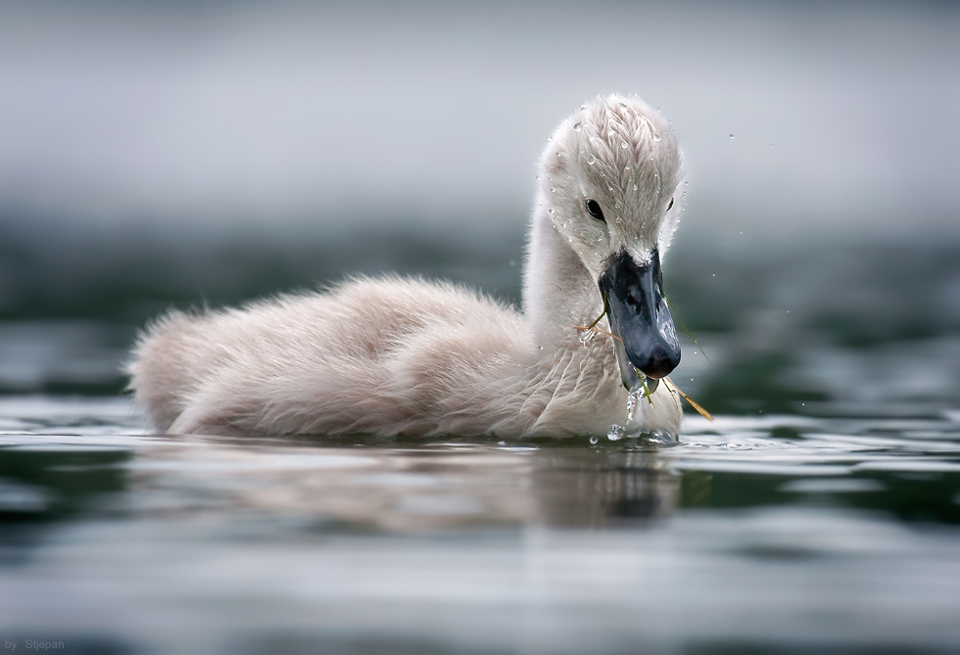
157	154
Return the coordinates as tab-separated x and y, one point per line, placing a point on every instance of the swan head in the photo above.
611	176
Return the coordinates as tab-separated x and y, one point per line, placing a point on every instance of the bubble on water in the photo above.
615	433
593	441
591	160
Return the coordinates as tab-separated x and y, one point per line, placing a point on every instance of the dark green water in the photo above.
819	512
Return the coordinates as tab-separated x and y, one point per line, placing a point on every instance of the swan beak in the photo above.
646	340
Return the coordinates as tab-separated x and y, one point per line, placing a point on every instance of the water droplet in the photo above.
633	399
541	347
551	210
615	433
623	143
593	441
714	275
741	233
538	178
553	190
577	126
635	187
731	136
656	136
609	188
591	160
501	443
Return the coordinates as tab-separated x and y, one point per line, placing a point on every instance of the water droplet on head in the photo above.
538	177
550	211
553	190
591	160
635	187
623	143
577	126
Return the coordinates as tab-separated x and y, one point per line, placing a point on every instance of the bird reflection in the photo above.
364	485
601	488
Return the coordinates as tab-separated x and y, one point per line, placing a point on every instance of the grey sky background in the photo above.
846	117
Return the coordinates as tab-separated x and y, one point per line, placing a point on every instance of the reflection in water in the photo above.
437	487
793	533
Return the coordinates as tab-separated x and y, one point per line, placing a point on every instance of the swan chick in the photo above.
394	356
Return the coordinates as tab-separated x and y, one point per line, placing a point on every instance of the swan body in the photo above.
406	356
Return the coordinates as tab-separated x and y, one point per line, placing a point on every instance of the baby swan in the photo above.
391	356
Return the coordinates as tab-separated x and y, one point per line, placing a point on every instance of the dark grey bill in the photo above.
639	318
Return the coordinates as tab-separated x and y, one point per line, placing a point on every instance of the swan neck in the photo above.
559	293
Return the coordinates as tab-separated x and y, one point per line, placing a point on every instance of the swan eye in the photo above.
670	205
593	208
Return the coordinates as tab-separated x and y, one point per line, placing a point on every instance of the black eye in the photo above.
670	205
593	208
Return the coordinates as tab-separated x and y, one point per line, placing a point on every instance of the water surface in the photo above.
778	533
